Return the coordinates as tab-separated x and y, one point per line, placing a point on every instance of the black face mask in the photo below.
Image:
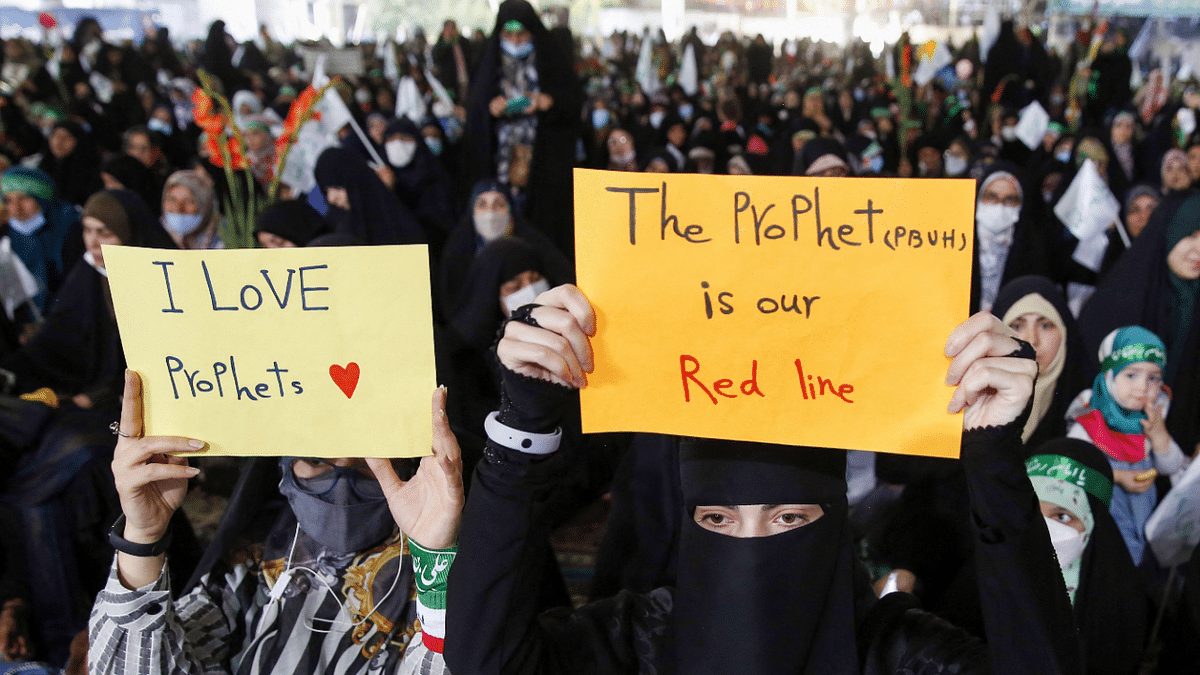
343	517
764	605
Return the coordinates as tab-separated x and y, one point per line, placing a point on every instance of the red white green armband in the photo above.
431	571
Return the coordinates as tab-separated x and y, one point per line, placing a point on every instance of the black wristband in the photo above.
116	537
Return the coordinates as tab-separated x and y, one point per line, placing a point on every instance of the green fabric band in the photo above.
30	186
1068	470
1137	353
431	572
514	26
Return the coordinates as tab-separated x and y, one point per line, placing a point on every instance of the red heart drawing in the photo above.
345	378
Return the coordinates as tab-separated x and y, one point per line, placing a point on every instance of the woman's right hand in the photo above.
558	349
150	483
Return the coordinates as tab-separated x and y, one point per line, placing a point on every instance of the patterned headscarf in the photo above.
1122	347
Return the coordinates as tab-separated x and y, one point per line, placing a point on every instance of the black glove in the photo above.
528	403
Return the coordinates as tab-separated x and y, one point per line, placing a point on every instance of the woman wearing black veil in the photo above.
528	144
780	593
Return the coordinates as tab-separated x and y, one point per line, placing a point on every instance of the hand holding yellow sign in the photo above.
312	352
806	311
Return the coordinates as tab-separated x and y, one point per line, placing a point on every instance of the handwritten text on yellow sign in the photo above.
807	311
324	352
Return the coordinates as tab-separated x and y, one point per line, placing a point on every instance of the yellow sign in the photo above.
805	311
311	352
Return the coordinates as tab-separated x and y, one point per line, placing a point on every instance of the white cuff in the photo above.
521	441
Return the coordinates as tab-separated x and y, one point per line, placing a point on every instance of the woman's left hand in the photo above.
428	506
993	387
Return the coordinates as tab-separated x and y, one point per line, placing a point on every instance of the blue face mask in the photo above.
182	224
516	51
876	164
686	110
1063	156
28	226
434	144
156	124
599	118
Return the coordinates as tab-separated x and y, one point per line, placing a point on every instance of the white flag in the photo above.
929	68
991	31
1174	528
645	67
314	138
688	77
17	283
1032	125
319	78
1088	208
409	102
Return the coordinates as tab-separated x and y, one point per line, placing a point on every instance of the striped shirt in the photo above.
331	617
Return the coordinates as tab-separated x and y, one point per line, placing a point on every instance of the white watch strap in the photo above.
521	441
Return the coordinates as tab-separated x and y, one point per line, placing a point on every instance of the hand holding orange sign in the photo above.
806	311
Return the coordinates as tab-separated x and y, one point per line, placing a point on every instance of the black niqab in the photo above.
764	605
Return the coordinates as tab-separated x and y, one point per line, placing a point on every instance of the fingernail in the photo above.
199	445
193	471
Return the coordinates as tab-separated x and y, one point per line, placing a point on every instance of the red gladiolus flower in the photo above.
202	111
236	156
214	151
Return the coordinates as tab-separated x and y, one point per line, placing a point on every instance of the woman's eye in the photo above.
1064	518
793	519
714	519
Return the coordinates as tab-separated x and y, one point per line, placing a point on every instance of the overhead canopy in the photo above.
1152	8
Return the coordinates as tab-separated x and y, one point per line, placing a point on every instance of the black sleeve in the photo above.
493	624
1027	616
1027	613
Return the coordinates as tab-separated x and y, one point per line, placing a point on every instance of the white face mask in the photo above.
400	153
1009	134
996	218
1068	542
656	118
955	165
528	294
625	157
491	225
29	225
